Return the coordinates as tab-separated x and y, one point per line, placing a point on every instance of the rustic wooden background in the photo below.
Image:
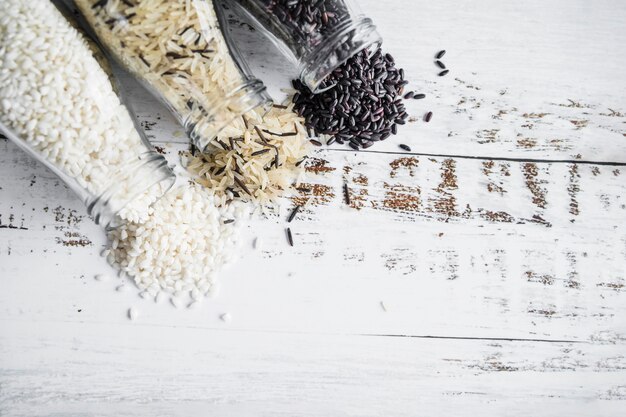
483	273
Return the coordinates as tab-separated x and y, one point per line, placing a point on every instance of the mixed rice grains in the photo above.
52	89
177	49
255	158
190	233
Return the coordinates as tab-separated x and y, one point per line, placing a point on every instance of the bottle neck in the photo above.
142	182
203	124
350	38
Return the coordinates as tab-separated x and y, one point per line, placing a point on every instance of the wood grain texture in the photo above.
482	273
232	373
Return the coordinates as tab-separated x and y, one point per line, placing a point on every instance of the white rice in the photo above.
181	246
57	99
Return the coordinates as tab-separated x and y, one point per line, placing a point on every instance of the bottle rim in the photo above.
140	176
321	62
246	96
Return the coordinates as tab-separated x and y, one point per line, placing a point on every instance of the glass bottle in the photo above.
76	124
178	50
318	36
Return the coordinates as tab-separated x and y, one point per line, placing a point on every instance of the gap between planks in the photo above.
453	156
490	339
490	158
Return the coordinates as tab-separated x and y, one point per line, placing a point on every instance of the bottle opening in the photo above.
203	125
351	38
132	192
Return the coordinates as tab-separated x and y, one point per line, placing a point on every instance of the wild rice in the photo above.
259	167
177	48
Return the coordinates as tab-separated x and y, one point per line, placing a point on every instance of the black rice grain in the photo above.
419	96
440	54
440	64
289	236
444	72
242	186
261	152
261	136
428	116
405	147
346	194
293	214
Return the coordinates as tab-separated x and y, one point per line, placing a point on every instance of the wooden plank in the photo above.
506	271
181	370
540	256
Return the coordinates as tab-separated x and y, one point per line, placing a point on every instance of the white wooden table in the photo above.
482	275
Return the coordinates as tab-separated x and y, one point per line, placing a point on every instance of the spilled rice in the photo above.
255	158
182	245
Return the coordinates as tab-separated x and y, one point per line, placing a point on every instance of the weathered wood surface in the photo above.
484	273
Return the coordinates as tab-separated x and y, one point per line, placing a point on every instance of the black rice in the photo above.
440	54
346	193
293	214
405	147
440	64
360	102
289	236
428	116
444	72
419	96
303	25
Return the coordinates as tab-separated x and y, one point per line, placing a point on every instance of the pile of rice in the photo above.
57	100
254	158
177	48
180	247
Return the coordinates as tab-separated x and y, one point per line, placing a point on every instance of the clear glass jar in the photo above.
59	103
318	36
178	50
